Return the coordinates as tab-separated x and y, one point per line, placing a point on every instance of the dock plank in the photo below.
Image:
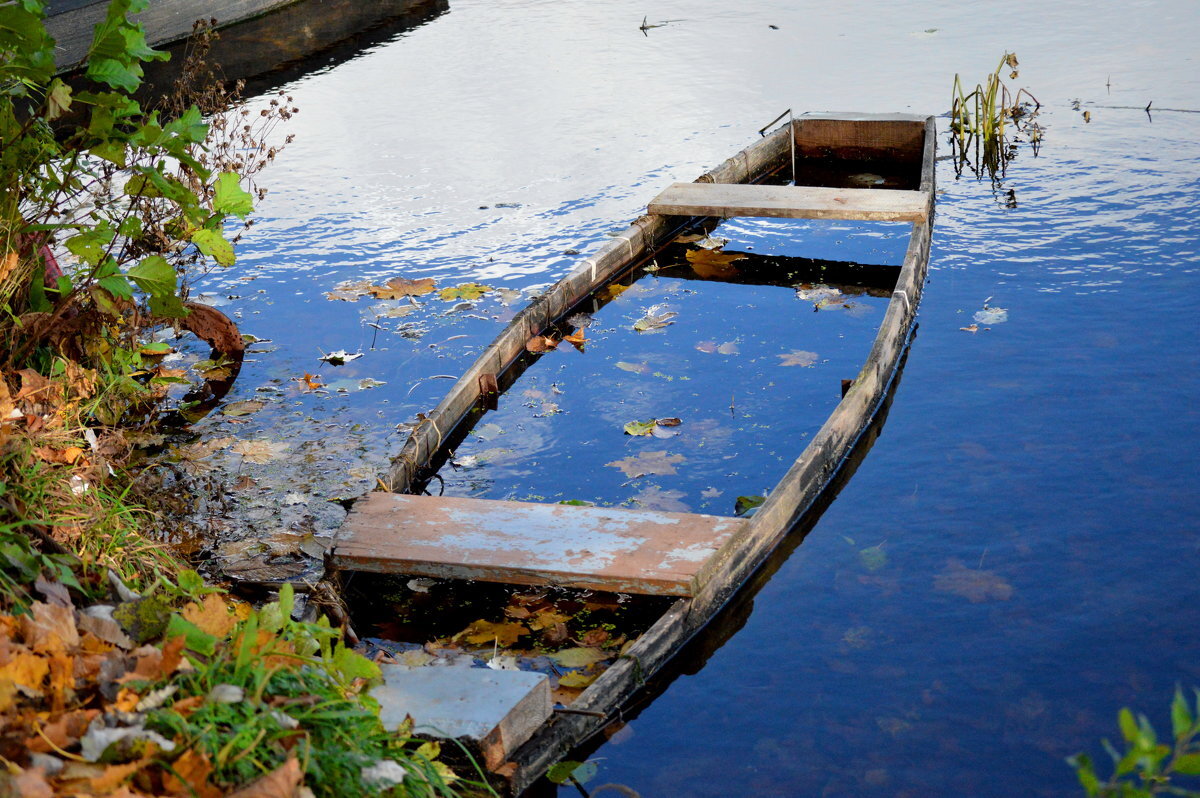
727	200
600	548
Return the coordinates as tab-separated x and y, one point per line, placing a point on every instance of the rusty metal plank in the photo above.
727	200
600	548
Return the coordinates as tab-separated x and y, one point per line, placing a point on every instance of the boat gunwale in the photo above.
743	555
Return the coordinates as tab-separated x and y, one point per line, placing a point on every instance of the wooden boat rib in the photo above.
824	137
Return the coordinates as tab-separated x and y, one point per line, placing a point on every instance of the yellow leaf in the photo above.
578	679
612	291
714	264
485	632
541	343
547	618
26	670
211	616
49	627
399	287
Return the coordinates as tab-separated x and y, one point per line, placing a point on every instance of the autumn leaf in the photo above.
49	628
259	451
971	328
578	679
713	264
611	291
635	368
798	357
400	287
189	774
541	343
646	463
311	381
578	657
977	586
485	632
547	618
576	339
243	408
468	291
212	616
282	782
26	670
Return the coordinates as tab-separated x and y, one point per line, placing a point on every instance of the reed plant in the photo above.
982	119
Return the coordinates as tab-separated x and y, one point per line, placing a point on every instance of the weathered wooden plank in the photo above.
599	548
790	202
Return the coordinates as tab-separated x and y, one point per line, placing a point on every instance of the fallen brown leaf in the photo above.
282	782
211	616
975	585
49	628
399	287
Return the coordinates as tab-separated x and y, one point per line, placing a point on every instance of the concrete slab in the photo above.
490	711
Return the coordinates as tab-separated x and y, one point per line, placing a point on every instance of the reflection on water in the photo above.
1016	557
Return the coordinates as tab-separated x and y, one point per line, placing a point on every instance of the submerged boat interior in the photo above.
649	547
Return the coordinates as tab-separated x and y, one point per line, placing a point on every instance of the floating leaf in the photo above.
577	679
400	287
713	264
541	343
976	586
340	357
155	348
646	463
244	408
467	291
991	315
578	657
655	319
728	348
798	357
563	772
576	339
488	431
367	382
638	428
612	291
746	505
636	368
971	328
486	632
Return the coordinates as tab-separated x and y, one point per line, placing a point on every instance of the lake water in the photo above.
1016	557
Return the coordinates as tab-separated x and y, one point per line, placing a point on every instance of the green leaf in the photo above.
566	771
213	244
639	428
1086	773
113	73
468	291
116	285
745	505
154	276
353	665
873	557
1129	729
1188	764
579	657
168	307
1181	718
190	582
287	600
37	296
230	197
91	245
190	126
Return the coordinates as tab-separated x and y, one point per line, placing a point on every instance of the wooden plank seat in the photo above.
727	200
599	548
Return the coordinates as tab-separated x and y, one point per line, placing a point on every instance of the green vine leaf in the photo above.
213	244
154	276
230	197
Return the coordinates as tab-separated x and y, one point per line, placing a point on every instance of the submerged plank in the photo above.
599	548
791	202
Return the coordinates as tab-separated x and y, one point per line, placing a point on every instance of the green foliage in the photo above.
133	194
1148	767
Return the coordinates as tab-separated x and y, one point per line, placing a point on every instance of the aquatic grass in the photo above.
980	121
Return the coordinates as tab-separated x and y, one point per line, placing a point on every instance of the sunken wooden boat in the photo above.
702	560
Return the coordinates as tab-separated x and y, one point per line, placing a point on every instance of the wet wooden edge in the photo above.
741	556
